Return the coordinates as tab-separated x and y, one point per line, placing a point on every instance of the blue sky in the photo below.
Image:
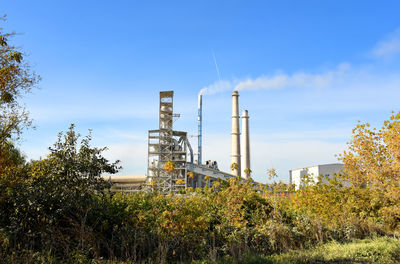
305	70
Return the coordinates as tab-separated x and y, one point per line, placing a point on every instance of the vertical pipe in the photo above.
199	119
246	144
235	135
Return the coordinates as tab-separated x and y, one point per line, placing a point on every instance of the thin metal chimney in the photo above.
246	144
199	119
235	135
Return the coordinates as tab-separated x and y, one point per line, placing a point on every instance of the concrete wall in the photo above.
328	170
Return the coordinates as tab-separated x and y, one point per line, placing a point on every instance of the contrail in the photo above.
217	86
216	65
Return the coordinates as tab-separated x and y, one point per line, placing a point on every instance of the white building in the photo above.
328	170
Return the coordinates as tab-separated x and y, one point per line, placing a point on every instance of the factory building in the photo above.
171	166
125	183
328	170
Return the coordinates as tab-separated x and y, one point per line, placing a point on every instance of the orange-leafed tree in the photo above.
372	162
373	156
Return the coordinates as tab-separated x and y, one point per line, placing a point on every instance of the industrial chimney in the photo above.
246	144
235	135
199	119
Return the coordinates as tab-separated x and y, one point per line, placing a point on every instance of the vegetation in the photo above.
16	79
57	214
377	250
59	209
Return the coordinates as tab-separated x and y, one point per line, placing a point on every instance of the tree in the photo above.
373	156
79	164
248	172
52	199
16	79
234	166
12	156
372	161
272	173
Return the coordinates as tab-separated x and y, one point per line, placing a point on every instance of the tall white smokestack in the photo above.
235	135
199	119
246	144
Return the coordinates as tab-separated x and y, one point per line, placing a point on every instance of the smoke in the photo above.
281	81
264	83
296	80
217	87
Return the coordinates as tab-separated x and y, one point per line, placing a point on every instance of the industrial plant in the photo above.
171	164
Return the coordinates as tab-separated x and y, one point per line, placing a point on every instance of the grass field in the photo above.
377	250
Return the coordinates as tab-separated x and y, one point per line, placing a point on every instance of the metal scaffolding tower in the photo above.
166	147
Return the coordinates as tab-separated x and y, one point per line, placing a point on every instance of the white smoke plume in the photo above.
296	80
217	87
281	81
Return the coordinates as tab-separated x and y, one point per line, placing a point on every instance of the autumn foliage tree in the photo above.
373	162
373	155
16	79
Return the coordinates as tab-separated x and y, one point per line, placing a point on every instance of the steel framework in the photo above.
166	146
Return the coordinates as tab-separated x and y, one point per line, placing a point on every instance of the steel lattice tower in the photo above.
165	145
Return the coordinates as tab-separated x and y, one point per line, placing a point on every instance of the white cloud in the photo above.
388	48
133	157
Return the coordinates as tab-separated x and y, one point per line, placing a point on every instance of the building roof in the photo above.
317	165
125	179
